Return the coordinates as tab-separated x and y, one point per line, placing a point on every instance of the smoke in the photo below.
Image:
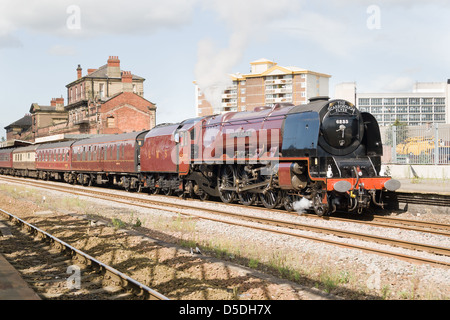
248	21
302	205
213	67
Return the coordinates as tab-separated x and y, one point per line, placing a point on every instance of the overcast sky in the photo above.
381	45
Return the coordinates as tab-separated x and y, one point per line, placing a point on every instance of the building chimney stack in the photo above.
113	67
127	81
58	103
79	71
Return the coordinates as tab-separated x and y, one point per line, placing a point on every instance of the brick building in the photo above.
20	129
44	116
106	100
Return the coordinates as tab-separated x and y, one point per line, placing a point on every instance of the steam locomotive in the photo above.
326	154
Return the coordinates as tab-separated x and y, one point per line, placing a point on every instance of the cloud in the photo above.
96	17
61	50
9	41
341	37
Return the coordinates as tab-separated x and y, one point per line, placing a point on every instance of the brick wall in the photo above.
127	112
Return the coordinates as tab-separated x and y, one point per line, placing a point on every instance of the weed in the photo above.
117	223
253	263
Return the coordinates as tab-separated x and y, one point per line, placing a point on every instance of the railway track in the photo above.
391	222
65	257
265	224
429	199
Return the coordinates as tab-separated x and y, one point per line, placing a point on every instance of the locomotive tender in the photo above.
325	153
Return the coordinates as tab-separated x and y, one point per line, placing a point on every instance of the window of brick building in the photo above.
110	122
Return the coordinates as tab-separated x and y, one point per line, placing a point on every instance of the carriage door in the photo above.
183	146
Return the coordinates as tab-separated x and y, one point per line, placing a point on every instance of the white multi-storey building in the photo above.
429	102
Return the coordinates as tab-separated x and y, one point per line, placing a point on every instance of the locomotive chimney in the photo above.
79	72
319	98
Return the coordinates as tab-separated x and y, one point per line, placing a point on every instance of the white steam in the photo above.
302	205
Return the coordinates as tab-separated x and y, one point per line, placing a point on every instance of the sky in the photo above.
382	45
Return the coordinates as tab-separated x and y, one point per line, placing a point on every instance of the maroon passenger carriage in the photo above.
24	161
6	161
108	160
53	161
159	171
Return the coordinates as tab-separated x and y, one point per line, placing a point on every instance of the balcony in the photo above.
278	91
81	121
278	81
229	96
229	104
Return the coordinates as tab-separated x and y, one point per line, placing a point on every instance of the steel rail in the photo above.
126	282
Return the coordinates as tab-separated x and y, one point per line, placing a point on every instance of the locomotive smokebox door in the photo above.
342	128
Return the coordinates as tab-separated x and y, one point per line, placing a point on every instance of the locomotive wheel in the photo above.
226	179
126	183
289	200
203	196
320	208
270	199
246	198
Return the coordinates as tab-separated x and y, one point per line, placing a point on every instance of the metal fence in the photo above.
428	144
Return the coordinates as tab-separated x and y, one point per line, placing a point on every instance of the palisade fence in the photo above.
427	144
